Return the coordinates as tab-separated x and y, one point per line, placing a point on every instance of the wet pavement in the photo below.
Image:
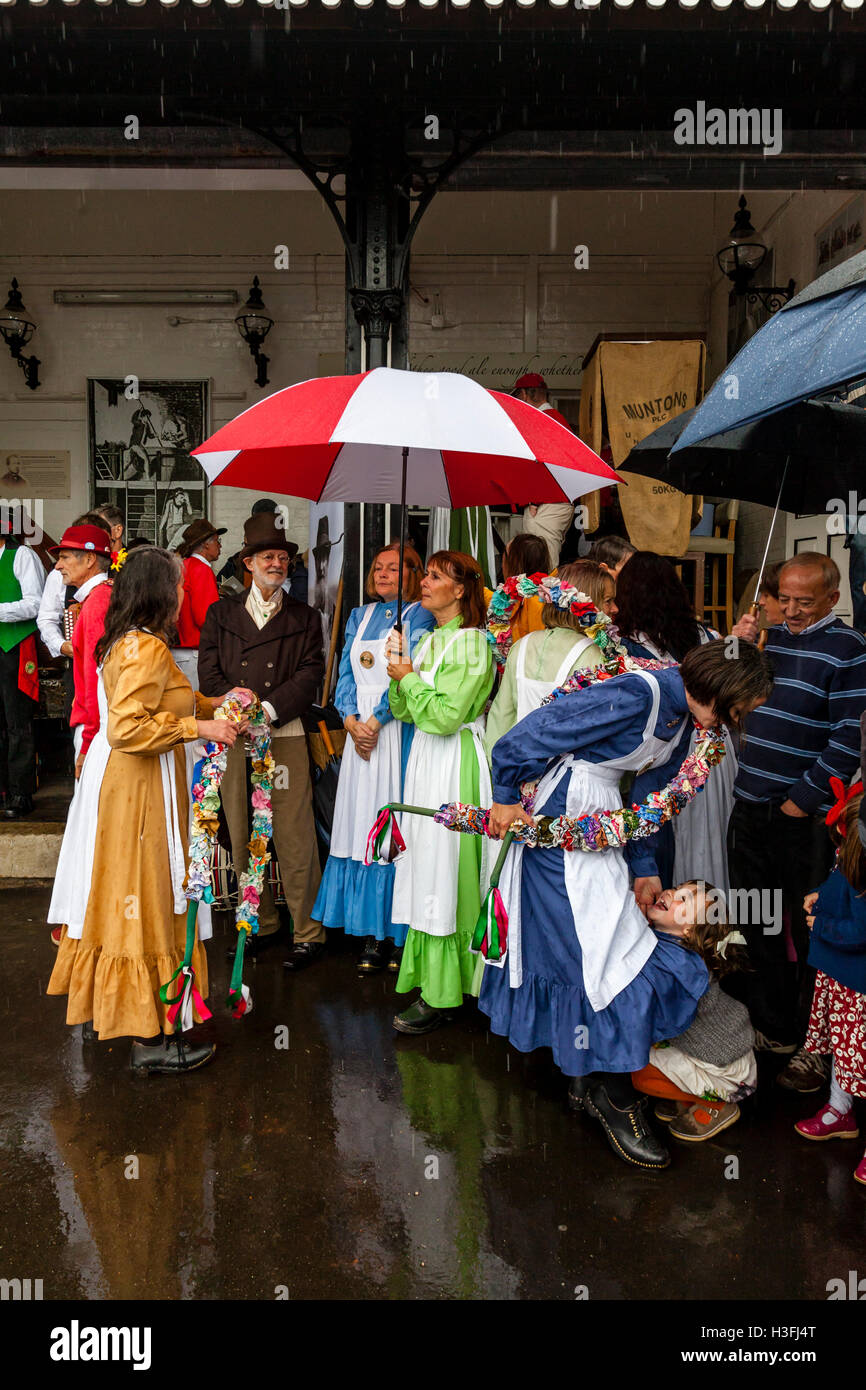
321	1156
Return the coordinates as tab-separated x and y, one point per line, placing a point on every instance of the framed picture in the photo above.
139	441
841	237
327	530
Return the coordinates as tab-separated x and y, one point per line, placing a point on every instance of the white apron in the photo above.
530	693
615	939
365	787
425	880
75	862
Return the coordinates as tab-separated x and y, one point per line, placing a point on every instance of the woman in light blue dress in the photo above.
353	896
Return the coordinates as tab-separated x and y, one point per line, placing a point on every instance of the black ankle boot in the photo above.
170	1057
627	1130
375	955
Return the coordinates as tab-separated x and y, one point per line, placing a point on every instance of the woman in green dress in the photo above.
437	884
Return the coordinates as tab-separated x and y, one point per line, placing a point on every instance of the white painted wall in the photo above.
501	263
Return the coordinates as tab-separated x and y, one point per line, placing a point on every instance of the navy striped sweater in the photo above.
809	729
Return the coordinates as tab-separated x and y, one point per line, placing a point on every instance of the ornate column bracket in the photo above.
376	311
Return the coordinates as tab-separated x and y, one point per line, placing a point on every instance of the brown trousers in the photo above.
294	832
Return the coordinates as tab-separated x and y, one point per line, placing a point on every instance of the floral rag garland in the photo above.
207	777
505	603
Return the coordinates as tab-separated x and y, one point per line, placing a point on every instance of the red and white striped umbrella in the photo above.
349	438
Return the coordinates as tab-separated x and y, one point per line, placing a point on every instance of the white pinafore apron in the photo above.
615	939
364	787
425	881
75	864
530	693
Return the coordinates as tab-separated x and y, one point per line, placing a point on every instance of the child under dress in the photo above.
701	1075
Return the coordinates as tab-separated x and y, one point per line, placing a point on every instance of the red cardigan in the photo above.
199	592
89	627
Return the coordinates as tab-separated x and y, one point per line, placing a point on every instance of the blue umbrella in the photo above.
816	342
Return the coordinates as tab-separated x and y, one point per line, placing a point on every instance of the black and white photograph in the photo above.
140	454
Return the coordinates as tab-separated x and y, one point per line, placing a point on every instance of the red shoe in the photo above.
840	1127
55	935
860	1171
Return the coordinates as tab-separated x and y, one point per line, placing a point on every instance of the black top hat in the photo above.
262	533
324	545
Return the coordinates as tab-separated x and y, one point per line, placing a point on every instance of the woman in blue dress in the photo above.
656	620
584	973
354	896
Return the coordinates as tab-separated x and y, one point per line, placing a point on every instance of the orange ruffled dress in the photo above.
132	940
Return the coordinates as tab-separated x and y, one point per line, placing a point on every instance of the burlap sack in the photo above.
642	385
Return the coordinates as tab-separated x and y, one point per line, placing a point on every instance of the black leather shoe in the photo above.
421	1017
17	806
304	953
396	960
375	955
170	1057
627	1131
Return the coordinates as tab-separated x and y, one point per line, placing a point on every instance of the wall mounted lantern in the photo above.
254	324
742	257
17	330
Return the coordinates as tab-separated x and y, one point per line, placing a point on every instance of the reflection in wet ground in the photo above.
350	1164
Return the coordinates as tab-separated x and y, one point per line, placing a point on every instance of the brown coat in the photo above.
283	662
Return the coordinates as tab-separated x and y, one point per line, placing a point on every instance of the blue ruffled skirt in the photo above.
356	899
550	1009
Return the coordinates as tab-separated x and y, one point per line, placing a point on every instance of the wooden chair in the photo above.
717	551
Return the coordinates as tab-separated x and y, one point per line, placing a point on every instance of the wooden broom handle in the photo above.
335	628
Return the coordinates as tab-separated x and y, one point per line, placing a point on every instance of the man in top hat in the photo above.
234	565
200	549
270	643
550	520
21	581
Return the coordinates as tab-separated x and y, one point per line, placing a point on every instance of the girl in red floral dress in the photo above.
836	916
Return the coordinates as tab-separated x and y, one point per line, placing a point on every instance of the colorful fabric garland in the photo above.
604	829
207	776
505	603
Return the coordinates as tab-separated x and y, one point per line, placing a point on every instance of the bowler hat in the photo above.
197	533
262	533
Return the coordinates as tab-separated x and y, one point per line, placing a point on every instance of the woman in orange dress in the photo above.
524	554
134	932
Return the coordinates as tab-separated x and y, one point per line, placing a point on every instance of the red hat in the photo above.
86	538
530	382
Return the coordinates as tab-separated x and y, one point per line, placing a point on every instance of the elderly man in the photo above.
84	562
200	550
272	644
806	733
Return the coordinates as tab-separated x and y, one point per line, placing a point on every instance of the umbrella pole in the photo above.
755	606
399	623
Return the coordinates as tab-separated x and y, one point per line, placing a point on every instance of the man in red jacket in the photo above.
84	561
200	548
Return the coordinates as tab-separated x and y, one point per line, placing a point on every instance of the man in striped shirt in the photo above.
806	733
